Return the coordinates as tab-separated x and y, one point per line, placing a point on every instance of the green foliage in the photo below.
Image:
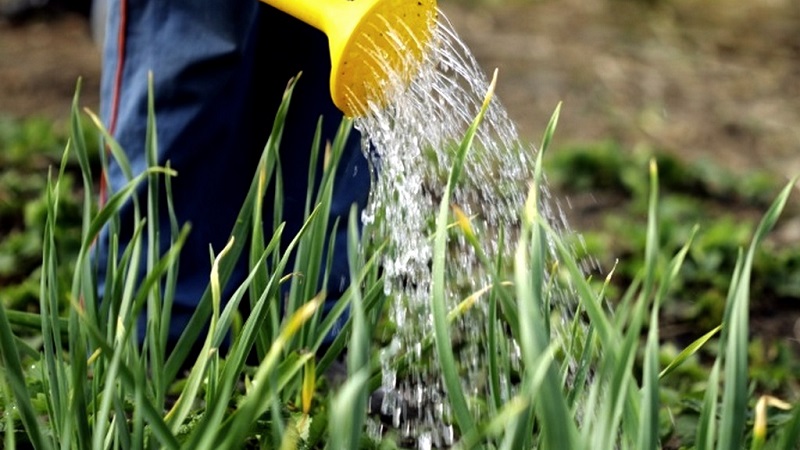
134	397
78	378
725	204
605	166
28	148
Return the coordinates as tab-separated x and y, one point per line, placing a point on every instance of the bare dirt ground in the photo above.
40	63
716	79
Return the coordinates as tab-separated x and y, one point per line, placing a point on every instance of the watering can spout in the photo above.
368	40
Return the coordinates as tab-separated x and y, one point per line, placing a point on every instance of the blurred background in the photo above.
709	88
717	79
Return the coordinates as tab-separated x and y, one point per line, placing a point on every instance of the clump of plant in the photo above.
29	147
613	391
610	188
86	382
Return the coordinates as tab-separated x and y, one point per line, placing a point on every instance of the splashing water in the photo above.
414	131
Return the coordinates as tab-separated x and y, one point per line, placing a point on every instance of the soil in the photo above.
713	80
716	80
40	63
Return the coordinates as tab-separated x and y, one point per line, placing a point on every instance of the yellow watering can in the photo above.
367	39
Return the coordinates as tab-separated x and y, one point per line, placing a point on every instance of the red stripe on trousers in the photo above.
115	97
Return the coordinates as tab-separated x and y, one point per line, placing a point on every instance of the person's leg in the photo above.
220	68
200	54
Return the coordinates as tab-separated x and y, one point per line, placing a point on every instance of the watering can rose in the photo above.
371	42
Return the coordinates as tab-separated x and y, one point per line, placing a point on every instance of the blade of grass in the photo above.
790	433
577	387
154	327
239	233
49	294
643	424
536	377
690	350
210	432
310	252
81	152
341	418
444	350
16	379
88	292
171	281
9	439
550	130
371	300
354	397
258	400
199	373
33	321
648	421
652	246
706	428
277	425
734	397
264	173
492	345
555	418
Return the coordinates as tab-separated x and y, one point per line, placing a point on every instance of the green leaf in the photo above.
450	376
706	427
735	393
16	379
690	350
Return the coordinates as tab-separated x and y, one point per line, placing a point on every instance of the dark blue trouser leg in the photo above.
220	69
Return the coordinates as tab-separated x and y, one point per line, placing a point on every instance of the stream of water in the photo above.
414	140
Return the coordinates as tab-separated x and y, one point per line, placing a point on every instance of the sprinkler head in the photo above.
370	41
